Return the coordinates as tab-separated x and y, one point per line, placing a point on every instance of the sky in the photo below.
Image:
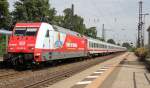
120	17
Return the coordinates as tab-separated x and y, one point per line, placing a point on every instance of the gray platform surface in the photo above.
131	74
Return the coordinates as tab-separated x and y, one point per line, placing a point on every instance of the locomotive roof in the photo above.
64	30
28	24
56	28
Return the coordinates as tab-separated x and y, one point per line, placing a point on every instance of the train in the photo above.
32	43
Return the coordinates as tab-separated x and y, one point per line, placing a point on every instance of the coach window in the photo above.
100	46
90	45
93	45
96	45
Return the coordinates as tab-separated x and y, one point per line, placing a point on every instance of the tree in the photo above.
111	41
99	38
72	22
58	20
118	44
68	19
78	24
33	10
4	14
127	45
91	32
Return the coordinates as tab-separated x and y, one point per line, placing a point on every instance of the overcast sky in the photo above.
119	16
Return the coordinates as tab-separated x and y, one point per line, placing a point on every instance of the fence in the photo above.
2	44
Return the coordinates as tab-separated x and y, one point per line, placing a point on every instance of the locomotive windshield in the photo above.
25	31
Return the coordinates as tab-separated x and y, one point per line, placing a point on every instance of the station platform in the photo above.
92	77
130	74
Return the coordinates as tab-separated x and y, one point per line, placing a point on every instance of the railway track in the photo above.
53	77
42	78
6	72
8	75
56	76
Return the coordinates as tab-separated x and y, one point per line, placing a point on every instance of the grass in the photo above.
2	50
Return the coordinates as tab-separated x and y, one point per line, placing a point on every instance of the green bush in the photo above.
2	44
141	53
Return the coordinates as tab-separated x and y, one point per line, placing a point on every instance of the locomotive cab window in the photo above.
31	31
47	33
20	31
25	31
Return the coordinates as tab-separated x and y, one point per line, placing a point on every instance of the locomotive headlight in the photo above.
31	48
37	54
30	44
12	44
11	48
